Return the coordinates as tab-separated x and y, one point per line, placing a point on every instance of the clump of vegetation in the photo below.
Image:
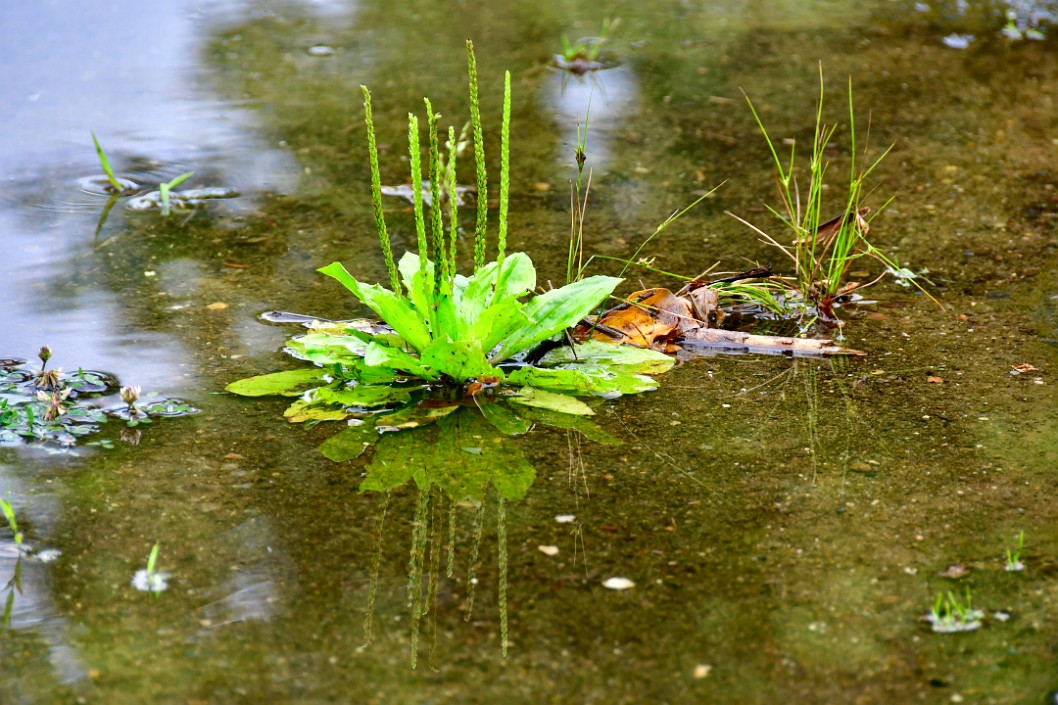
1014	564
948	615
822	250
57	409
447	339
585	54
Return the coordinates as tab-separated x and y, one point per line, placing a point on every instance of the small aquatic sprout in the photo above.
9	514
150	579
114	185
1014	564
166	187
948	615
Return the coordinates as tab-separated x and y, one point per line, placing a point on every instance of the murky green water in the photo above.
783	521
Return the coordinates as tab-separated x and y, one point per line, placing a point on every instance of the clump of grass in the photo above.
1014	563
949	615
821	250
585	52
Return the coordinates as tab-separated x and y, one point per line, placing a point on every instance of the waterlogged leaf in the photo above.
596	381
327	349
363	396
413	417
543	399
459	360
349	443
556	310
399	313
580	424
396	359
303	410
289	383
594	354
504	420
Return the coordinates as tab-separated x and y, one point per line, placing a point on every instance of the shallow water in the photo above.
783	521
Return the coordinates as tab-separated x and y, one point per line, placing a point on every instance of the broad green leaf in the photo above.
555	311
326	349
399	313
541	398
459	360
350	442
483	290
288	383
395	359
412	417
505	420
606	356
497	322
302	410
418	283
597	381
363	396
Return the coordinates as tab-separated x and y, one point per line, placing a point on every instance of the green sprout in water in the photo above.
115	186
1014	563
9	514
150	579
948	615
165	187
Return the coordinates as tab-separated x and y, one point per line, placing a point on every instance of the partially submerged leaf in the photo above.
541	398
580	424
597	354
413	417
590	380
391	307
288	383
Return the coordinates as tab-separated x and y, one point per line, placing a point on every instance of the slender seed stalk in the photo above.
376	560
481	227
376	195
453	200
441	274
505	169
415	159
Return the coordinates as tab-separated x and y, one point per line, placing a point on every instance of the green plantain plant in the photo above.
449	339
